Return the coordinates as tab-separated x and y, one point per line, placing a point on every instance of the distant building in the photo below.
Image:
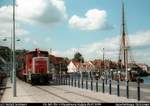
73	67
100	65
57	64
84	70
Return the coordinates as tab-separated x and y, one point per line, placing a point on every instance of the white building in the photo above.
73	67
81	68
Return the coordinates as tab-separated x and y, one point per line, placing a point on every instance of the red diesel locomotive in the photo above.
34	67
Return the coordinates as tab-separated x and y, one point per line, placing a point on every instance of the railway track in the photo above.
65	99
78	94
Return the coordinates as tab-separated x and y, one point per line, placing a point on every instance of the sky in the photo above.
85	26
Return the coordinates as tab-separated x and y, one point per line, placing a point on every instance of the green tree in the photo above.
78	57
66	59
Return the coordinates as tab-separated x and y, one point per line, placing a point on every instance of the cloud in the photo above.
111	45
140	39
94	19
41	12
6	23
33	12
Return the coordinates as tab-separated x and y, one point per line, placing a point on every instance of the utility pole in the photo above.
11	60
103	60
14	62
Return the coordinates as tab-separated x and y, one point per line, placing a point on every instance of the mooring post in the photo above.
69	80
75	82
82	82
66	80
96	85
63	80
118	88
91	84
72	81
138	88
127	88
86	83
110	86
103	86
78	82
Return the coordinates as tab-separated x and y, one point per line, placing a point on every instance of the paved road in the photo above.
57	94
144	95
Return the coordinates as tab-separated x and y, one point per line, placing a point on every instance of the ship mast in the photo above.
123	47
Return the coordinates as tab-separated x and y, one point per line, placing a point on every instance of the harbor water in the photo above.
146	79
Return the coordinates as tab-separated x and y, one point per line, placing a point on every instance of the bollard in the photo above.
91	84
55	80
78	82
75	82
72	81
103	86
118	88
66	81
63	81
138	89
96	85
110	86
69	81
82	82
86	84
127	88
58	81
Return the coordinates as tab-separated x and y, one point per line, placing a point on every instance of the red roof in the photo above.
76	63
56	60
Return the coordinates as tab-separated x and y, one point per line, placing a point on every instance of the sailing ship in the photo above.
126	71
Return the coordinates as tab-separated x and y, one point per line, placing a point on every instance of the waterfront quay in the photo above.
59	93
139	91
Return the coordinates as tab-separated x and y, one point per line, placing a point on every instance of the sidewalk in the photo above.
57	94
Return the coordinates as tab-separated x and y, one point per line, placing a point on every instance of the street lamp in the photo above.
14	62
